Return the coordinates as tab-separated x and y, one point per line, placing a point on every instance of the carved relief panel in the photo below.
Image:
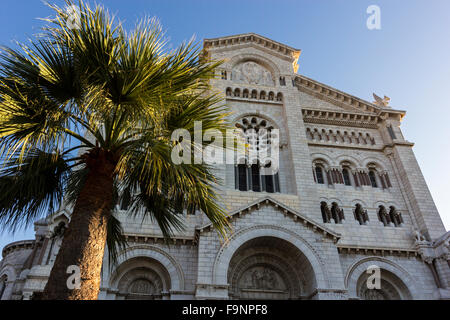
252	73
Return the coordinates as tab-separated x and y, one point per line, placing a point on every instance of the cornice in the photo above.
139	238
348	249
278	48
253	101
23	244
340	118
344	100
346	146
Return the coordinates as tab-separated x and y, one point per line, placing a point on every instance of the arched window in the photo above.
245	93
346	176
282	81
373	179
337	213
254	94
254	175
237	92
229	92
383	216
271	96
262	95
279	97
396	217
3	281
360	214
326	213
319	175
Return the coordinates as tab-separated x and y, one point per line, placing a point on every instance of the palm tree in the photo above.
86	115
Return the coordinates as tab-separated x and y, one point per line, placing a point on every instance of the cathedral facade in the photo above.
349	202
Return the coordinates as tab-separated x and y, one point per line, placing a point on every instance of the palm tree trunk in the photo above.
84	241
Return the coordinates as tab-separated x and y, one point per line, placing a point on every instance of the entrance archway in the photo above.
270	268
142	278
391	288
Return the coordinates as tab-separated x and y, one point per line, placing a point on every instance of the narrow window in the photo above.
337	213
256	186
395	216
282	81
361	215
269	184
326	214
319	175
242	173
346	176
224	75
373	179
383	216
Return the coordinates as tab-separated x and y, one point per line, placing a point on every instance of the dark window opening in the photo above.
256	186
346	176
373	179
242	173
319	175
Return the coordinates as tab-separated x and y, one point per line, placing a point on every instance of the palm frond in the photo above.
115	240
31	187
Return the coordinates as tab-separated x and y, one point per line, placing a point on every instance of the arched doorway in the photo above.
391	288
142	278
270	268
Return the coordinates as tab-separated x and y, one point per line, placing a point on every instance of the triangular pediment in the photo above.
283	209
338	105
256	41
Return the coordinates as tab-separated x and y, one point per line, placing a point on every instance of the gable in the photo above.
252	40
282	209
322	102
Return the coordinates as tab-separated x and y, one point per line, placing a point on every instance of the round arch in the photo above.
354	162
146	251
374	160
226	252
241	58
322	157
359	268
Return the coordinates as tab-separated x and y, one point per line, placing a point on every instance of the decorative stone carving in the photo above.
262	278
381	102
141	286
252	73
420	239
386	292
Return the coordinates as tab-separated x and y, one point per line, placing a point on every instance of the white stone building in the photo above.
349	195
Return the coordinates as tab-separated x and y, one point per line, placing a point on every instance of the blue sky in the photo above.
408	59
